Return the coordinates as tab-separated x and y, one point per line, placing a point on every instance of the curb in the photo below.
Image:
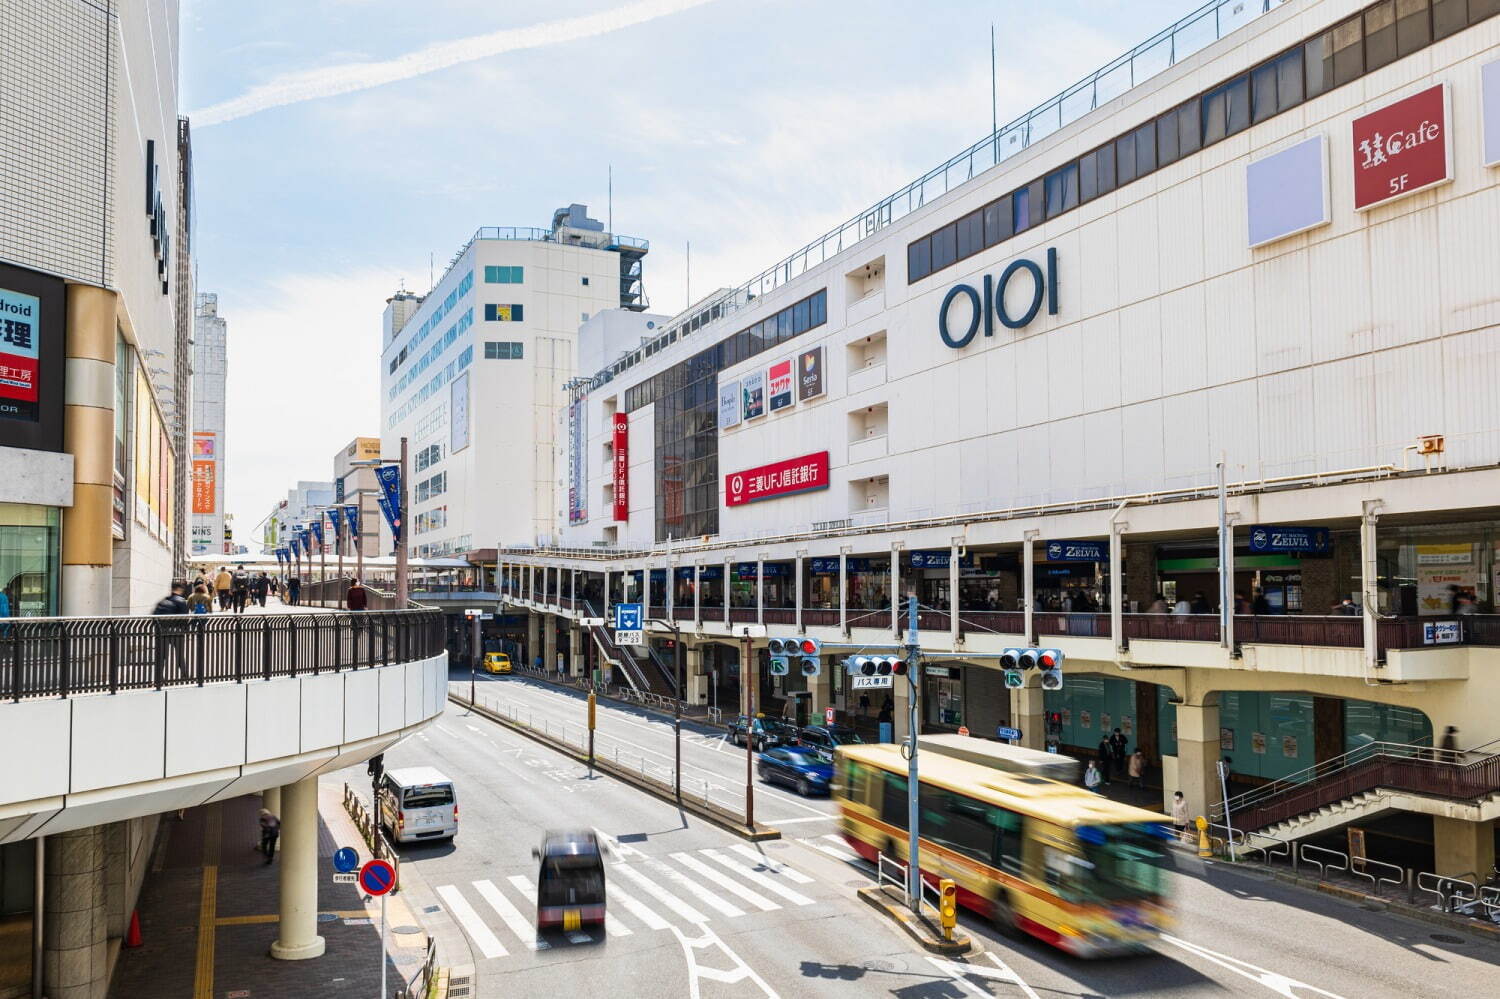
723	819
918	928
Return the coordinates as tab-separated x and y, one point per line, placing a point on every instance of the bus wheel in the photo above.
1004	917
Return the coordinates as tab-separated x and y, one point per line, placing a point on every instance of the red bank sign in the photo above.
622	466
1402	148
781	478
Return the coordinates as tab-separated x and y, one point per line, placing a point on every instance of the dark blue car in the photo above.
796	767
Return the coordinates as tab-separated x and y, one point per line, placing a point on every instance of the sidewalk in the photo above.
208	914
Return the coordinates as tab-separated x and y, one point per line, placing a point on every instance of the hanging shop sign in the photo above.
938	559
781	478
959	324
729	405
31	361
753	388
810	374
779	376
1402	148
1077	551
1279	538
622	466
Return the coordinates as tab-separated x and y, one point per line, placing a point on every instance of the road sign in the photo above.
864	682
828	715
963	730
377	877
346	879
1009	734
627	617
472	612
345	859
630	637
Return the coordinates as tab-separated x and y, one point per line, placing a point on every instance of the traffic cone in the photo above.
133	935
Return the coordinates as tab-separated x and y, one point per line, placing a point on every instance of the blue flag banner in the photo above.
317	531
351	516
390	488
336	514
390	517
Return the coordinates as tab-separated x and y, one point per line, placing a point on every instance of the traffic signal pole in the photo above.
913	724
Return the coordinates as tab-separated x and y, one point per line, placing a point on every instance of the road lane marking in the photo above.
837	852
1278	983
810	818
761	860
726	976
510	915
636	909
489	945
960	973
671	901
707	897
757	878
528	891
703	870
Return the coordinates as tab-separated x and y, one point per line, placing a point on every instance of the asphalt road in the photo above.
699	913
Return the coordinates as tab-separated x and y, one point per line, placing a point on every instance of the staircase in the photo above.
1380	777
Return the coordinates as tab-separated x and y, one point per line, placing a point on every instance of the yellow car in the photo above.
496	662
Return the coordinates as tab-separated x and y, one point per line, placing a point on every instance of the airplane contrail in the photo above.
307	85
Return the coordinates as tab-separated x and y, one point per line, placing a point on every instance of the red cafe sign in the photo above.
622	466
781	478
1402	148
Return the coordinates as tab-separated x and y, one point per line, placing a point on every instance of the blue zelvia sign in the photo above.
1077	551
938	560
1277	538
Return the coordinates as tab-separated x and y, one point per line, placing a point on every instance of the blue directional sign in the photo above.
345	859
627	617
1009	734
1279	538
1077	551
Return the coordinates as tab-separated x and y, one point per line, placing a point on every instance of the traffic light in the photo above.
1014	680
875	666
1015	662
1051	661
809	652
1010	661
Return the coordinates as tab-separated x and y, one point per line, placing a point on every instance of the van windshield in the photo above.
428	796
572	880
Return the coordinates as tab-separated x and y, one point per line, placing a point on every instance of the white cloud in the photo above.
328	81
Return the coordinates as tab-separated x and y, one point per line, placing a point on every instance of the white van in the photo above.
418	803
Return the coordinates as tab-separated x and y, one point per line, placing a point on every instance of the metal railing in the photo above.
420	982
58	657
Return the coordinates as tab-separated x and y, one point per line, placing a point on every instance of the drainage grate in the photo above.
875	964
406	929
1448	938
327	917
861	883
460	980
429	910
457	993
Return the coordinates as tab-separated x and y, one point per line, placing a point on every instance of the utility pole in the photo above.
913	722
747	685
401	542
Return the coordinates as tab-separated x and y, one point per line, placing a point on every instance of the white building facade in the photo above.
473	377
210	371
1007	391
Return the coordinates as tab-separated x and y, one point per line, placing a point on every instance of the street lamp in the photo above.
677	704
401	519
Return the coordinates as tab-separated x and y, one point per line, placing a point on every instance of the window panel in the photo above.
944	246
1348	52
820	308
1062	190
783	325
1166	138
1145	149
1021	210
1213	116
919	259
1413	27
1263	92
801	317
998	224
1238	106
1449	16
1038	195
1289	80
1380	35
1189	128
1106	160
970	234
1125	158
1088	177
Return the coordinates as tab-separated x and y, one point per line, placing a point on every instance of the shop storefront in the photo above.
780	585
29	556
1439	570
942	698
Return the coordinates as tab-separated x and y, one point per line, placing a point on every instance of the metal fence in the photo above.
57	657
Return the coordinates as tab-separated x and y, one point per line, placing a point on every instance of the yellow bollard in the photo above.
948	907
1204	848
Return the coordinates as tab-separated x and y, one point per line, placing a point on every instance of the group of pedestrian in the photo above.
231	591
1110	760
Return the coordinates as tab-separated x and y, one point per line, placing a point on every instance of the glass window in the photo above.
1021	210
970	234
997	222
1380	35
1263	92
820	308
944	246
1125	157
893	803
1062	190
515	352
1189	128
1238	105
1088	177
1289	80
783	325
1145	149
1448	16
1347	52
1037	197
1413	28
801	316
1166	138
29	550
1213	116
1106	159
918	259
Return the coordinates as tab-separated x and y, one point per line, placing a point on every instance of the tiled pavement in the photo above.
208	915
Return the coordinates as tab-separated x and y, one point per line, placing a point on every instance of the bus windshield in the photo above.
1119	863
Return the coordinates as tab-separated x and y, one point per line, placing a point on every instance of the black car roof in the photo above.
570	843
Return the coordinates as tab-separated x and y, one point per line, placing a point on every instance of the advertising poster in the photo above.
1226	740
621	431
753	390
782	478
1258	743
203	486
1085	719
810	374
780	376
1289	746
1104	721
20	316
1444	571
729	405
205	444
577	462
1402	148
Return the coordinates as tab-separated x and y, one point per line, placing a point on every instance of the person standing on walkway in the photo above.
294	590
864	705
239	594
1179	815
1117	753
270	830
358	598
1137	769
200	602
222	584
171	636
1092	779
259	588
1102	756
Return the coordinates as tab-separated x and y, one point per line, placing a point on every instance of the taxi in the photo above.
496	662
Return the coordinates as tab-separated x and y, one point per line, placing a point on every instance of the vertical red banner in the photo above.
622	466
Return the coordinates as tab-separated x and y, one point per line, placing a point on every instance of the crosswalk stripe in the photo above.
636	909
671	901
524	885
757	878
510	915
837	854
698	867
489	945
761	860
707	897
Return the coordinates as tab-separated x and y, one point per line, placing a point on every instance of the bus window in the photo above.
1121	862
856	783
975	829
893	804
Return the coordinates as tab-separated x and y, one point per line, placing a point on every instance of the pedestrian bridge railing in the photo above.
59	657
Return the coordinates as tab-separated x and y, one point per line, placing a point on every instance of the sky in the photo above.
349	148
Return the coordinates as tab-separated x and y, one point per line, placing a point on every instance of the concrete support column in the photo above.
1197	758
533	637
549	643
89	436
798	589
1029	714
75	917
898	605
1463	849
697	677
760	588
575	651
820	689
297	932
270	799
844	591
698	595
727	579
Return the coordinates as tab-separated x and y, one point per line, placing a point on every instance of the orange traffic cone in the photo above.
133	935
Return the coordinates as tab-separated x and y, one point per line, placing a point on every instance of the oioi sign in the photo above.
987	303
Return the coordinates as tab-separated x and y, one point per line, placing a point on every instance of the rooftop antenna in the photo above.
690	272
429	269
994	103
611	199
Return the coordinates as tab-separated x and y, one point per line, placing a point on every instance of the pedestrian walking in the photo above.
171	636
222	583
864	705
239	594
270	831
358	598
1180	815
259	588
1158	605
294	590
199	602
1138	769
1102	757
1117	752
1450	739
1092	778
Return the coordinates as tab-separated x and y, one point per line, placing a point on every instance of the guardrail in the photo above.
368	823
424	975
59	657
